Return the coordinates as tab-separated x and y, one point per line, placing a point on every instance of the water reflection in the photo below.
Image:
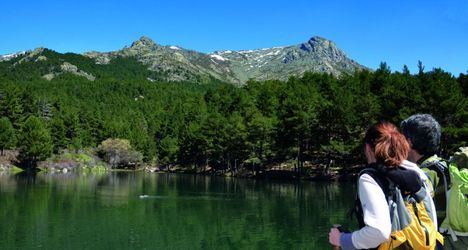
141	210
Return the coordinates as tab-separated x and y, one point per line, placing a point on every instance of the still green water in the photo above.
167	211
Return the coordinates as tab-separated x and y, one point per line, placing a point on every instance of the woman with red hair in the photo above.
386	150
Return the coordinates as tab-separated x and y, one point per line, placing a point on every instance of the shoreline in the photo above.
313	174
318	169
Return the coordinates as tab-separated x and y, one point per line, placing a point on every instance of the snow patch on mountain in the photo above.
218	57
11	56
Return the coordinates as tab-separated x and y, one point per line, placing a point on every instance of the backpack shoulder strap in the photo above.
356	211
379	178
440	166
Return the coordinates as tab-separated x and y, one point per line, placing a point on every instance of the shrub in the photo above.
118	153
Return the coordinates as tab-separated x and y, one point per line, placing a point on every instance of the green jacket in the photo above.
450	183
434	167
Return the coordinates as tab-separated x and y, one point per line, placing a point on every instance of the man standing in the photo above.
423	133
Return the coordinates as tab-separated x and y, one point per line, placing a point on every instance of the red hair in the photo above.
390	146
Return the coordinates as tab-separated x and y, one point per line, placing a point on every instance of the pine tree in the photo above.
7	135
36	142
11	104
58	130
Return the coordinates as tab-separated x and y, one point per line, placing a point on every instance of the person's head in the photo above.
386	145
423	132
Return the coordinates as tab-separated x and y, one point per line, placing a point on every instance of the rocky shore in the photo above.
88	161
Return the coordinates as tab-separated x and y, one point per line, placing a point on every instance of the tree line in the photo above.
219	125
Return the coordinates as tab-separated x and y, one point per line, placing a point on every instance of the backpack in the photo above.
437	170
456	220
412	226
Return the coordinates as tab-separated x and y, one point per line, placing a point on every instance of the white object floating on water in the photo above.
143	196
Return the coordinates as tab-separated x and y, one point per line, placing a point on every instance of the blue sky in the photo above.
398	32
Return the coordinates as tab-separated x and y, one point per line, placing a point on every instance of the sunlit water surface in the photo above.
167	211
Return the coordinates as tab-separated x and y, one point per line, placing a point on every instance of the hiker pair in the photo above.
394	208
410	210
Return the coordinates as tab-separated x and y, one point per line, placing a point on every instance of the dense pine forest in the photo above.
316	116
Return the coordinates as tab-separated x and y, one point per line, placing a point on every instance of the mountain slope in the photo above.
173	63
179	64
49	65
317	55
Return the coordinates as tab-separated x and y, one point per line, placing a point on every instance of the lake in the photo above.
137	210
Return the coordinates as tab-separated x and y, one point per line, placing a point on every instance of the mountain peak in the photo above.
318	44
320	41
144	41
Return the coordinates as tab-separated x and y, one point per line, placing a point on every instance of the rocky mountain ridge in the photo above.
174	63
179	64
